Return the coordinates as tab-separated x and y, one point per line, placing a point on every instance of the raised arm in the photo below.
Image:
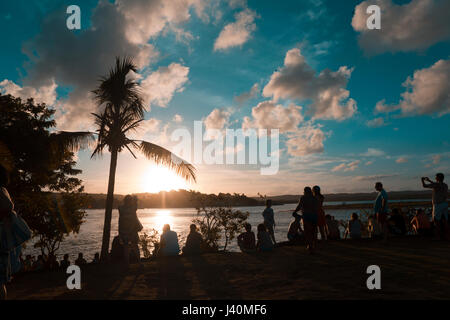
425	185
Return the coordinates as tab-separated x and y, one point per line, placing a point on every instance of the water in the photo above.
89	239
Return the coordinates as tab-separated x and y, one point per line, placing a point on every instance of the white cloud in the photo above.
43	94
427	92
402	160
412	26
269	115
349	166
159	87
436	158
177	118
306	140
297	80
375	123
374	178
237	33
372	152
217	119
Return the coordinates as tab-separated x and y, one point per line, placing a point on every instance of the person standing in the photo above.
381	209
129	226
321	222
440	204
309	205
269	220
13	233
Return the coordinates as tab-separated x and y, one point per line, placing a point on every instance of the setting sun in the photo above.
158	178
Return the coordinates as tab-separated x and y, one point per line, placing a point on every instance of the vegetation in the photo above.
148	241
43	181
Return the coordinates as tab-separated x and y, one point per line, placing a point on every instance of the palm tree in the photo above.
121	111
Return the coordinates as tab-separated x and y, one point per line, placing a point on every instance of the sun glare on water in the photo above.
158	178
162	217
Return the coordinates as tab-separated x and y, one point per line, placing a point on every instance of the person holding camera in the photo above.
440	204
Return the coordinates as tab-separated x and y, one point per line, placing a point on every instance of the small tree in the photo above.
147	241
215	222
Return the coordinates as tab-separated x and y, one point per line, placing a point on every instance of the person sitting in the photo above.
96	258
333	232
354	227
264	239
65	263
27	263
39	264
373	228
246	241
396	222
295	232
421	224
194	242
80	260
168	244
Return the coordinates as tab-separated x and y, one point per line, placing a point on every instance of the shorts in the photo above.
381	218
440	210
311	218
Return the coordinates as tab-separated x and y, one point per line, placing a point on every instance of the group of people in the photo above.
50	263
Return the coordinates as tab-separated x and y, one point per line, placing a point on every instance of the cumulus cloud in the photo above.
77	60
43	94
306	140
346	166
237	33
412	26
427	92
297	80
160	86
375	123
243	97
217	119
269	115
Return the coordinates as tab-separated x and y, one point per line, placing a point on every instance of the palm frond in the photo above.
72	141
163	156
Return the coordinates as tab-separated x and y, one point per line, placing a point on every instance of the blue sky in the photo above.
347	113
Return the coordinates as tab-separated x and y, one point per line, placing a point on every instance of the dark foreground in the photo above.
410	269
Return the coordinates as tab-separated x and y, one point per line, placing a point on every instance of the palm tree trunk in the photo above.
109	205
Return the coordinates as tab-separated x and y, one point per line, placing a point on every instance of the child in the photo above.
269	220
374	228
295	233
354	227
246	240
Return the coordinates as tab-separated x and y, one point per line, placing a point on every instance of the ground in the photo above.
411	268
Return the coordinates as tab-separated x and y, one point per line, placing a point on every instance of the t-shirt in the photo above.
440	191
354	227
169	243
268	216
308	204
379	202
193	242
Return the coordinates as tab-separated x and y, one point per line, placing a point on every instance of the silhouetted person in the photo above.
39	264
65	263
246	241
80	260
373	227
194	242
129	226
354	227
51	263
168	244
440	204
269	219
421	224
381	209
397	224
333	232
96	258
309	205
321	223
28	263
295	231
12	235
264	239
